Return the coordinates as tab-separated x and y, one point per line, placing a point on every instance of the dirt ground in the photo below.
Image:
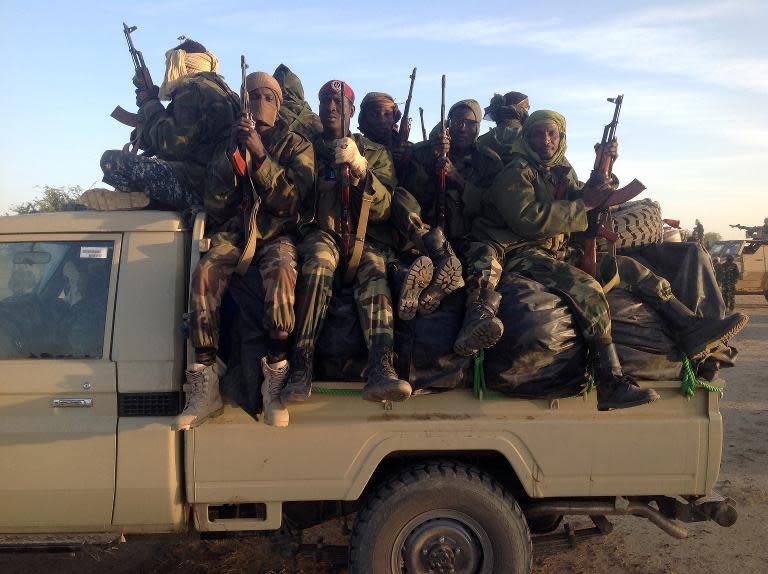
635	546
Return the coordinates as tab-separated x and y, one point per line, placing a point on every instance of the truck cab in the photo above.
93	361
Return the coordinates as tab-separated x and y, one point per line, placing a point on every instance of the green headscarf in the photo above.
472	105
522	146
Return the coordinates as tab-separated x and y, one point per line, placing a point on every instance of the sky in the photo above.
694	77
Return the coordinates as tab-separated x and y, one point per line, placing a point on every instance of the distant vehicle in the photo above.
751	255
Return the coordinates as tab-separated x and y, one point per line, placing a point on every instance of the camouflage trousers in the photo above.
276	261
126	171
729	295
584	293
320	259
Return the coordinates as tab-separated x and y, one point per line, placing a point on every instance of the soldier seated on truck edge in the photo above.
527	215
278	171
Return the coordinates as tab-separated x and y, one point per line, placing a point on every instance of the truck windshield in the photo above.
53	298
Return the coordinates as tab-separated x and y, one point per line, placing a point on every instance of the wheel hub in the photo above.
442	546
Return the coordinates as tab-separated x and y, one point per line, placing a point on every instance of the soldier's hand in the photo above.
398	151
143	96
453	176
596	195
612	149
441	145
250	138
348	153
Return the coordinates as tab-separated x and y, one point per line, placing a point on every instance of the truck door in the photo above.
58	401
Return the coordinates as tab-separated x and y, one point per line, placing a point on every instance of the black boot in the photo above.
410	282
382	383
447	275
698	336
299	385
481	328
615	390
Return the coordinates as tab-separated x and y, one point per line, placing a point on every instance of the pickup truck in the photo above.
91	366
751	257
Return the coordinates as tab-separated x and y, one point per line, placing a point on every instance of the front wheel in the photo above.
437	518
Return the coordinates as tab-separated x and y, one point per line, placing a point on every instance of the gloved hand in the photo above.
347	152
143	96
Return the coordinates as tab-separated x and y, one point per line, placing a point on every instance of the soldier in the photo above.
508	112
179	140
729	275
759	232
469	169
280	172
533	204
371	177
296	111
698	233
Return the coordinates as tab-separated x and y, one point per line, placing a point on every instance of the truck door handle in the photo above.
72	402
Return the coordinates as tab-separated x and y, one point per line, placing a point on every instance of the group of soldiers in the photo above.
313	206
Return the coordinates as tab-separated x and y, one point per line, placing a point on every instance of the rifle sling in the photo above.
249	250
357	249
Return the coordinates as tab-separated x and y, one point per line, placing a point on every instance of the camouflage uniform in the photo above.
320	254
182	138
729	275
283	181
523	227
414	205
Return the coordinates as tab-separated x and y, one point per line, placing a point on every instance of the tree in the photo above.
711	237
52	199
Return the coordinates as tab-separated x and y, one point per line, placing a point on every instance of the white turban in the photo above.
180	64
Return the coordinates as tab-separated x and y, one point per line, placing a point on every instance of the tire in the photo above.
434	516
637	223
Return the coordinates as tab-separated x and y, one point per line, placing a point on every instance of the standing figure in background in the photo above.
729	275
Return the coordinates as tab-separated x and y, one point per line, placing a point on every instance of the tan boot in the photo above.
203	398
100	199
275	377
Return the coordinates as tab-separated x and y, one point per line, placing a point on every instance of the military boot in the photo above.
481	328
615	390
202	394
382	383
275	376
698	336
410	282
299	386
100	199
447	275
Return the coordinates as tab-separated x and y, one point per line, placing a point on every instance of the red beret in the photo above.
334	87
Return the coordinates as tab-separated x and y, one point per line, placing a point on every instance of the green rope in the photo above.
479	388
689	382
590	382
337	392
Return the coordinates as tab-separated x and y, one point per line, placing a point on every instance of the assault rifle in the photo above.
441	175
405	122
144	79
599	217
346	218
242	162
423	128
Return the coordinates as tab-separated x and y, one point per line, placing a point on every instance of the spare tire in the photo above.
637	223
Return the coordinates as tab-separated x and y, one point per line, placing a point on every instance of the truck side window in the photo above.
53	298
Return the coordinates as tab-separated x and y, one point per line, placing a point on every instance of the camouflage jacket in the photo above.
728	274
325	209
187	132
529	205
283	181
500	139
478	168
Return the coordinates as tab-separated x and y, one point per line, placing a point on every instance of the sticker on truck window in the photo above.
93	252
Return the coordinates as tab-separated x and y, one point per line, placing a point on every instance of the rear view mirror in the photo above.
31	258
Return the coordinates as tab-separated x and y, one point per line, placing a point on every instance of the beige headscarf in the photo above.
180	64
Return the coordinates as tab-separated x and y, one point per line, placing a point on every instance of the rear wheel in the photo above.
437	518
